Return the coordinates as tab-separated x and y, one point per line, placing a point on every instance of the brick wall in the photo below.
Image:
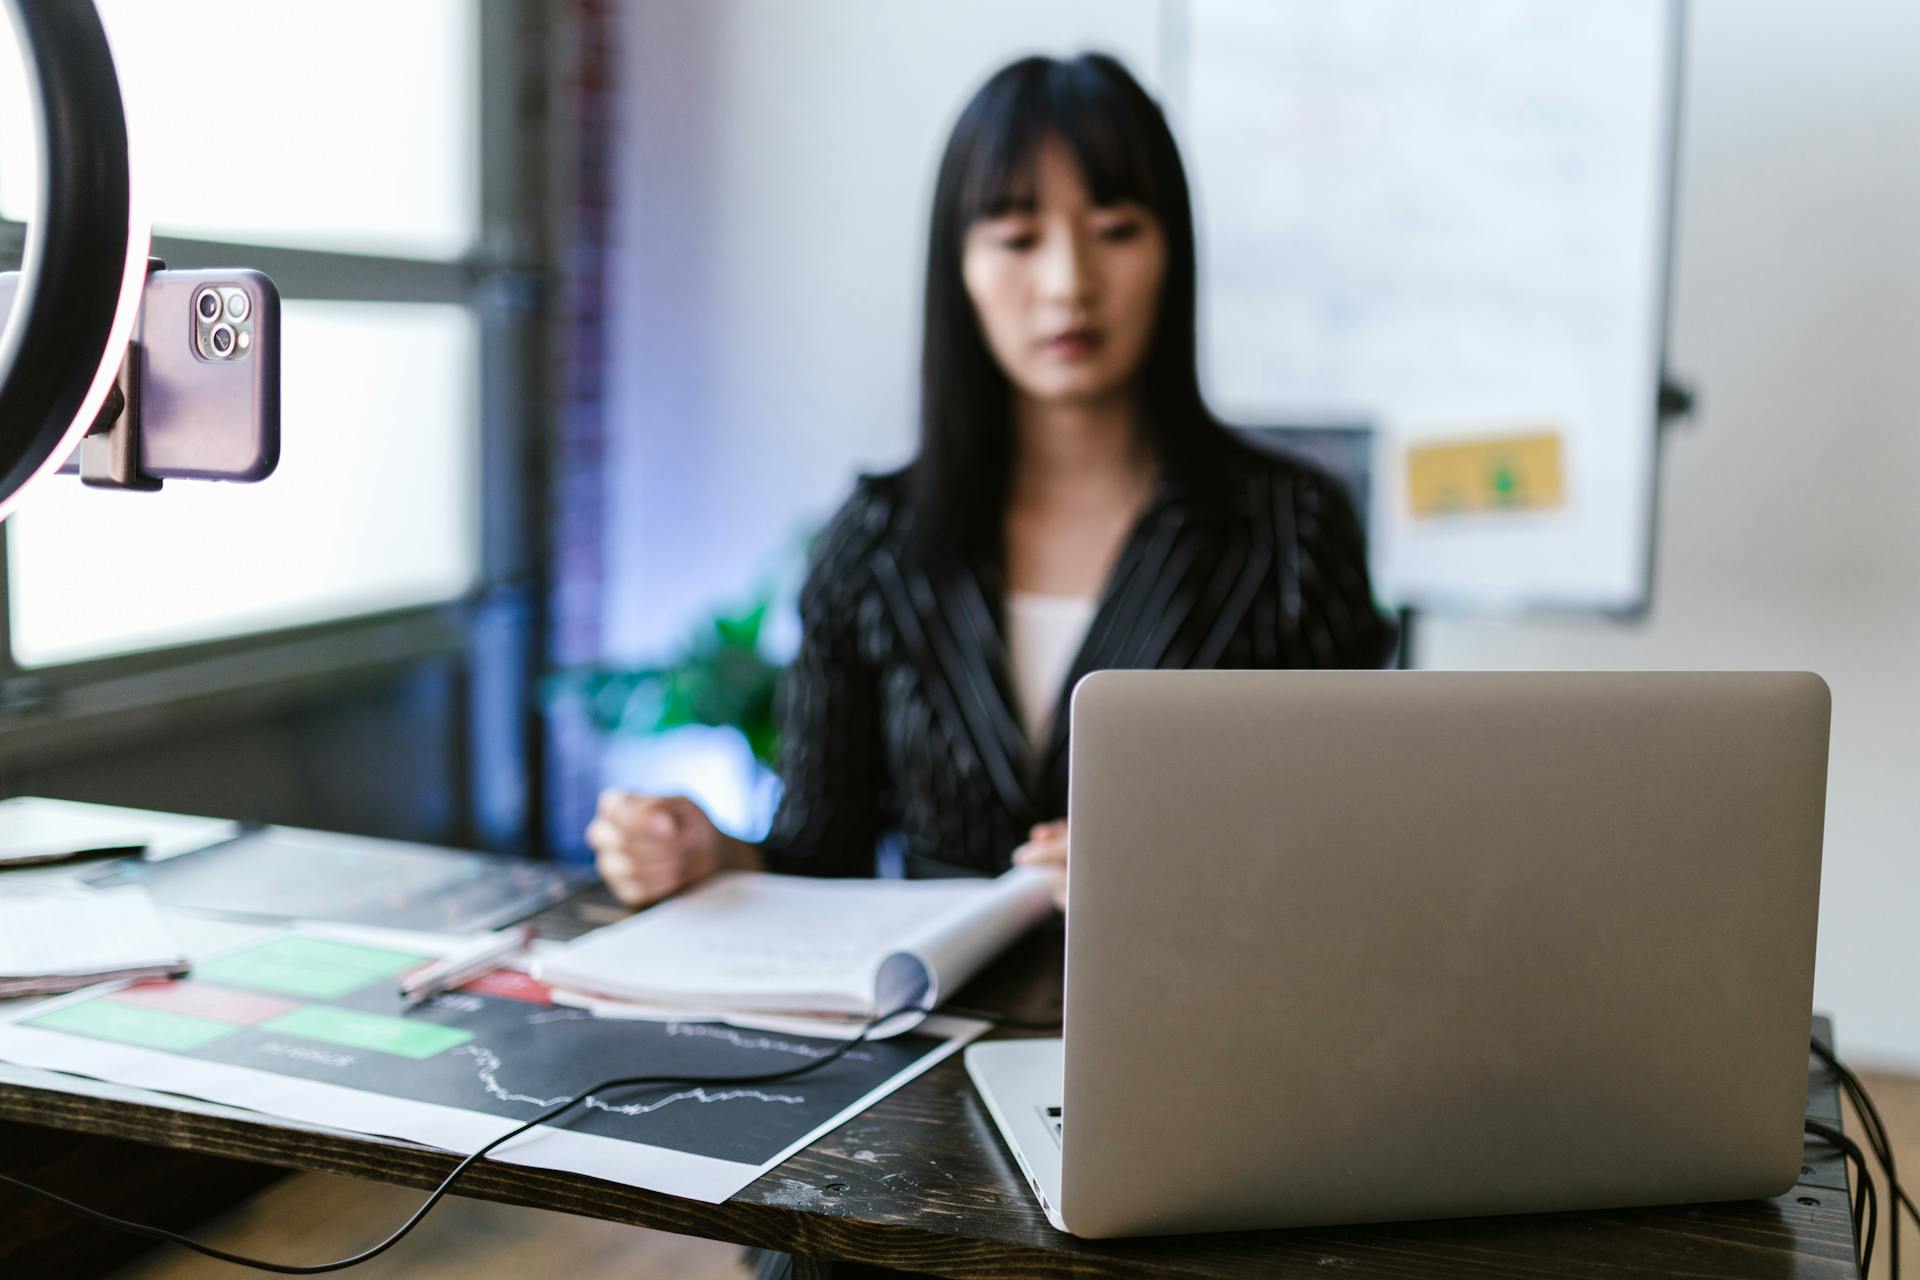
583	115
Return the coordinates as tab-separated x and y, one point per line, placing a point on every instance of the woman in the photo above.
1073	506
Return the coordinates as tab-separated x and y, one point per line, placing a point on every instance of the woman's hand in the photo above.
1046	848
647	847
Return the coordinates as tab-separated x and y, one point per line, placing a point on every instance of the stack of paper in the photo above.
53	942
793	951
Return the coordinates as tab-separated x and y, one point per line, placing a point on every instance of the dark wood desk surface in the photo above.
922	1182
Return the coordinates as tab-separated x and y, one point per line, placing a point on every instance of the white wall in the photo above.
765	320
1789	533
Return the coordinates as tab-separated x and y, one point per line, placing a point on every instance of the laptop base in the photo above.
1021	1081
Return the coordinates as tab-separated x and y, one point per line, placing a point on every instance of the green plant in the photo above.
721	677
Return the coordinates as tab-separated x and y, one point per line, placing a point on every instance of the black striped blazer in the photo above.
898	713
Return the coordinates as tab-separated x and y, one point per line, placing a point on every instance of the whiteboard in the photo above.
1450	220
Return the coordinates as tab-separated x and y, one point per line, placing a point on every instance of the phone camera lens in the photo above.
208	305
237	306
221	338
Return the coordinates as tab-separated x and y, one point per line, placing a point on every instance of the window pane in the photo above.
350	125
374	505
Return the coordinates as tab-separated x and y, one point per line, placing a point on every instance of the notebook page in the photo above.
955	946
748	940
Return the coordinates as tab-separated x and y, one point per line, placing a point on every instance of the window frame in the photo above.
51	711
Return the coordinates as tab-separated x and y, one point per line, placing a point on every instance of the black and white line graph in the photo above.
488	1067
754	1040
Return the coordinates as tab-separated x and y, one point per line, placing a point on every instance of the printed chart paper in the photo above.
310	1026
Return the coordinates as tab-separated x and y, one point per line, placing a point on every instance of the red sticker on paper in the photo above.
511	984
204	1000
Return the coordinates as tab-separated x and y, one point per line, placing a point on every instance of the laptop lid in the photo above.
1365	946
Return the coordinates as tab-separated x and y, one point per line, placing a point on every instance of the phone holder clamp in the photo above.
110	453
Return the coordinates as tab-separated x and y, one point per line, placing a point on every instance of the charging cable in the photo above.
1866	1197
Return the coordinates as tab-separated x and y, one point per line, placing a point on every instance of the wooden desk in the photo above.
922	1182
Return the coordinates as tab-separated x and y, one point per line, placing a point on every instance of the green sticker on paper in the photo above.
407	1038
131	1024
316	968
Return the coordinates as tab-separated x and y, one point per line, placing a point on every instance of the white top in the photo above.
1044	635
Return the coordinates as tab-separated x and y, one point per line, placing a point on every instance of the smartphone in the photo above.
209	374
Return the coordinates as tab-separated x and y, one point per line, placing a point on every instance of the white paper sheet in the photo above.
33	828
91	931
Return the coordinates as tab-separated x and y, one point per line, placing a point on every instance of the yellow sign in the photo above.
1503	473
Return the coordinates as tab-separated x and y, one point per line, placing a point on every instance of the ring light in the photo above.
86	250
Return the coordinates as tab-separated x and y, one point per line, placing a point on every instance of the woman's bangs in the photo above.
1000	173
1096	125
1111	145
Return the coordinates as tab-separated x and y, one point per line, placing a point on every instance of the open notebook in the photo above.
753	943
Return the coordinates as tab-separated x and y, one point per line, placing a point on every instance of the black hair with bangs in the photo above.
1117	134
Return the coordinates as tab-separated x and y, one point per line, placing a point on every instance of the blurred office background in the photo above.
595	308
776	161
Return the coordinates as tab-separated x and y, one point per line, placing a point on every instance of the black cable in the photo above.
1854	1166
1859	1213
1878	1143
446	1184
1860	1186
1881	1143
1828	1134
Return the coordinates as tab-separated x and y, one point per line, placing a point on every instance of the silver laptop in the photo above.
1364	946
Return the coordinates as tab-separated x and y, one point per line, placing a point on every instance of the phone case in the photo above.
202	417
